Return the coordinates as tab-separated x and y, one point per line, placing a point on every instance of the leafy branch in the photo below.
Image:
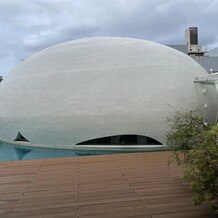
194	146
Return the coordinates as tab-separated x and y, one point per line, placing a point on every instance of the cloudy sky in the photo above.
27	26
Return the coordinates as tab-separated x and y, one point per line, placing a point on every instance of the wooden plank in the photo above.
122	185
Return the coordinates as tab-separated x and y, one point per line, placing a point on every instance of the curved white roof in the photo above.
96	87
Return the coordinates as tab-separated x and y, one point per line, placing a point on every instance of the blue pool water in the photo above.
9	152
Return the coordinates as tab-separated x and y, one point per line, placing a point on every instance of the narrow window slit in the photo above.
127	139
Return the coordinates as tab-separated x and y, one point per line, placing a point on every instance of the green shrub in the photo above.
194	145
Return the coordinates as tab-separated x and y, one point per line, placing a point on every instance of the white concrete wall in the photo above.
91	88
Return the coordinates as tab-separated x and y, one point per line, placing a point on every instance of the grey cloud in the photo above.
29	26
37	42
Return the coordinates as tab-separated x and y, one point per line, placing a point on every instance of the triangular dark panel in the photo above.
20	138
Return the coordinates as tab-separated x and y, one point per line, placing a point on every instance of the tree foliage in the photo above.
194	145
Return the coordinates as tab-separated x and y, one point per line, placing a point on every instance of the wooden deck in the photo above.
124	185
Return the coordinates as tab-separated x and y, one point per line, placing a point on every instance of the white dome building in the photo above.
93	88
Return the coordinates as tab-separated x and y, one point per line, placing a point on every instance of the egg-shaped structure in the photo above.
83	90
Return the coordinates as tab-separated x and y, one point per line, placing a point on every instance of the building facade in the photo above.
102	91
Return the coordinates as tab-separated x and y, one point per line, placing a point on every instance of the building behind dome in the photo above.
101	91
207	59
